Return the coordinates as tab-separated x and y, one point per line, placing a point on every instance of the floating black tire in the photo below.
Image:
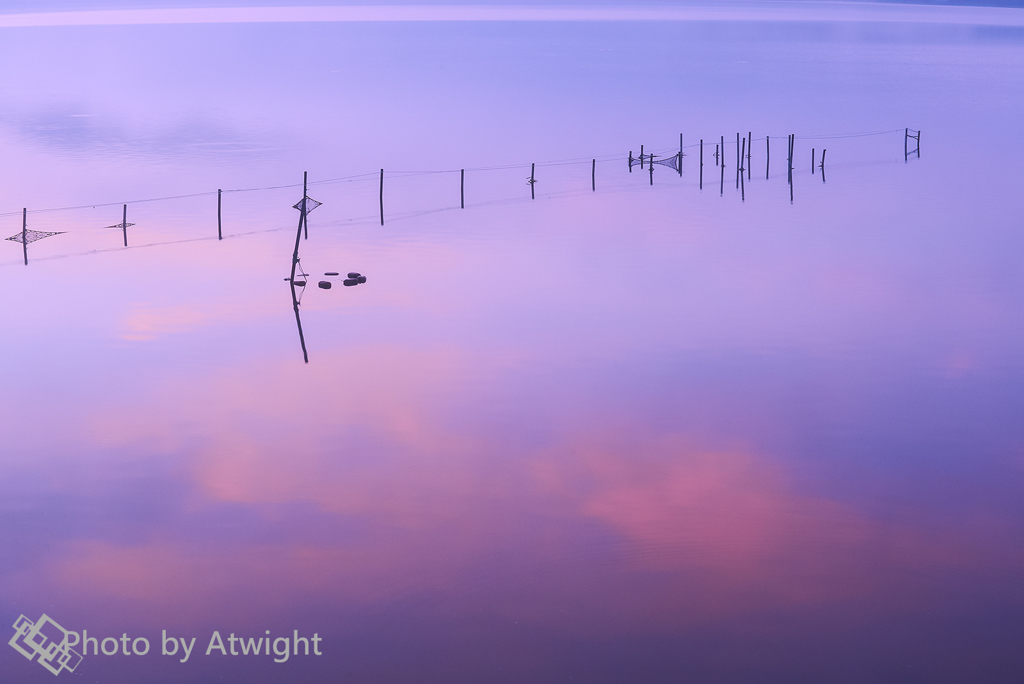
353	274
349	282
324	284
331	273
361	279
299	283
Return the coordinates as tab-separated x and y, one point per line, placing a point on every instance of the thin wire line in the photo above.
368	176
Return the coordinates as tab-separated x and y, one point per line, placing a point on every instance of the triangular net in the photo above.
32	235
311	204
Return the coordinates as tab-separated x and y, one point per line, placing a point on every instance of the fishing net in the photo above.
31	236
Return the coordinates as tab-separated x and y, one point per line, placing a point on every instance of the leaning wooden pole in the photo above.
533	167
219	236
382	197
462	189
124	225
767	156
298	231
305	196
593	175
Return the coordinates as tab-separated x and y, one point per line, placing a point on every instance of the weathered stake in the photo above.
767	156
812	161
593	175
219	236
298	232
124	225
24	233
382	197
739	161
533	181
792	150
680	165
789	163
721	168
701	164
743	192
743	188
462	189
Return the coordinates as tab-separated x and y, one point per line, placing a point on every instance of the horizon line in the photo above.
732	11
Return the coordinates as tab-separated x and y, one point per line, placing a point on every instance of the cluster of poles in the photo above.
646	160
744	165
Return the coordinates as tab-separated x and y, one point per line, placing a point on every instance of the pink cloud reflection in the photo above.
607	528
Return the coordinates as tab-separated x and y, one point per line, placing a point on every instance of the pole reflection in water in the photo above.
298	319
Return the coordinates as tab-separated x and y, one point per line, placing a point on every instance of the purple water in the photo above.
648	433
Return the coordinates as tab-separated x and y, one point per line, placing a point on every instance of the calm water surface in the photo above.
648	433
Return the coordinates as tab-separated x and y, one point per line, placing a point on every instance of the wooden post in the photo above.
812	161
650	167
532	181
305	210
767	156
792	149
124	224
593	175
742	154
701	164
680	169
789	163
631	161
641	157
219	236
716	155
24	233
739	162
743	188
906	134
462	189
382	197
750	148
